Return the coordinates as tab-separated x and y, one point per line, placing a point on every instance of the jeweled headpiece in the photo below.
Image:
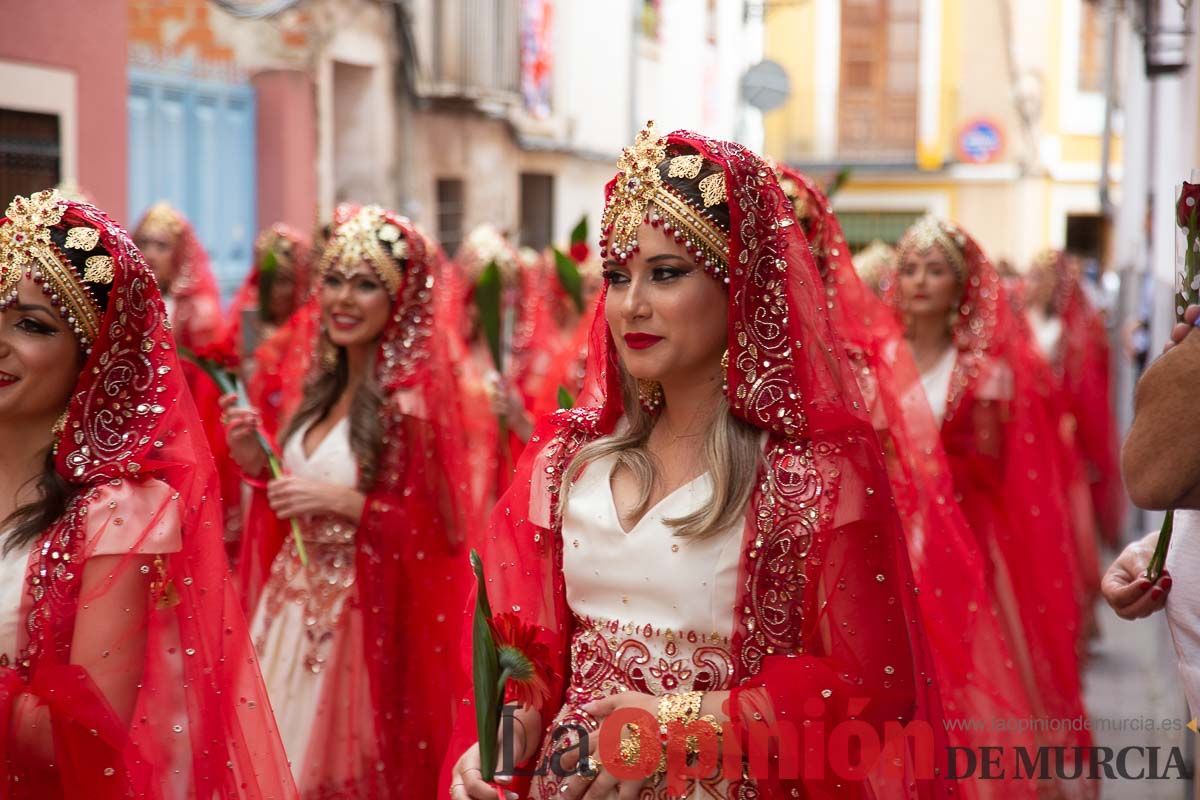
26	249
929	231
639	195
162	218
369	237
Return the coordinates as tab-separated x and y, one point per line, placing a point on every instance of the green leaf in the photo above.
580	231
268	267
565	400
568	276
487	300
839	180
486	674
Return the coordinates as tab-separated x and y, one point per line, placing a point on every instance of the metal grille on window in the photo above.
30	159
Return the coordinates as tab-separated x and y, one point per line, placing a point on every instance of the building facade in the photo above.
990	112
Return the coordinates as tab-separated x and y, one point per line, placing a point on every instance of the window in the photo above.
878	93
450	213
29	152
1085	235
863	227
1092	37
476	46
537	210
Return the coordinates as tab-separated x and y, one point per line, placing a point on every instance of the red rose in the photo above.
1189	203
579	252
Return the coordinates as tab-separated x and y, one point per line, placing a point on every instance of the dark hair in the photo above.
689	188
366	424
366	407
26	523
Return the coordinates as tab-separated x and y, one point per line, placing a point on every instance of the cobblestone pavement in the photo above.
1131	683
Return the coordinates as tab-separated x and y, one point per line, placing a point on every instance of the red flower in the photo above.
579	252
1189	204
221	354
526	660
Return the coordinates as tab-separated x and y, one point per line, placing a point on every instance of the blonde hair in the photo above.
732	454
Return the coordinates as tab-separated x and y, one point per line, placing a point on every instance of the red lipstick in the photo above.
640	341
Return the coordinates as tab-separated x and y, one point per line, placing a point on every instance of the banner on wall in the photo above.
537	56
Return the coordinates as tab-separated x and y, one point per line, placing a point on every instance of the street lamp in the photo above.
1164	26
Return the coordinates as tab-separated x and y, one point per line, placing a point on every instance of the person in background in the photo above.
1161	467
184	274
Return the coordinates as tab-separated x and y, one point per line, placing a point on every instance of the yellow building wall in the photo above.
789	130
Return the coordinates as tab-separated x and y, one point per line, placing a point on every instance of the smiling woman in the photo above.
375	456
124	659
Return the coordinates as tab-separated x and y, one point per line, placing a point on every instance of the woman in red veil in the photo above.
278	283
193	301
184	274
127	669
985	384
1071	334
977	673
353	645
772	589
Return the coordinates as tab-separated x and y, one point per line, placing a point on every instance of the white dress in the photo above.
1047	332
936	382
308	632
653	611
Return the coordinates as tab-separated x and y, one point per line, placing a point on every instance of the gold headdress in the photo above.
929	231
27	249
640	195
162	218
368	237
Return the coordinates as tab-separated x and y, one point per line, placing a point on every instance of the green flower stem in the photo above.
228	384
1187	296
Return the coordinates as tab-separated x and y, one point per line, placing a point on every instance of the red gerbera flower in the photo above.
523	659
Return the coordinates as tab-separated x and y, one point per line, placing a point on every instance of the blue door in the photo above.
191	143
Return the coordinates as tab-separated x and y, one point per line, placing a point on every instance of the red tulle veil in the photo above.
412	572
977	674
1000	433
136	676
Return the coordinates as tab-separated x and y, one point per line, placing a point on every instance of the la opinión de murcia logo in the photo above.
851	750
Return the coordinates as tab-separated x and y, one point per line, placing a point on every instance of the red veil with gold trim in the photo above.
136	676
826	615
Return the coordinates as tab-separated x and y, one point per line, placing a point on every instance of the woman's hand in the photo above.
508	405
597	781
1182	329
1125	585
241	429
293	496
466	777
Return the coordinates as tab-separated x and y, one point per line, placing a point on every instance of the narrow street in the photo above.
1131	677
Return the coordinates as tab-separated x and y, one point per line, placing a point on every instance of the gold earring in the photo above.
650	394
725	370
327	354
56	431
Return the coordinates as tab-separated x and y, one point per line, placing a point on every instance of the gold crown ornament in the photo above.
162	218
368	237
928	232
26	249
639	195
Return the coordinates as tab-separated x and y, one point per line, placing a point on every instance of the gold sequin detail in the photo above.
712	189
82	238
685	167
98	269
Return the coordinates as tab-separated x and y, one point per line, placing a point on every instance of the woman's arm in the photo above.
109	643
1159	459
